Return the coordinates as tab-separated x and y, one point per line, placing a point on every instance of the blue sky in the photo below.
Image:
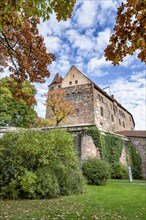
80	41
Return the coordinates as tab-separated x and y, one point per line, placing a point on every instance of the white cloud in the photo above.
131	94
53	27
85	14
102	40
53	44
79	41
98	64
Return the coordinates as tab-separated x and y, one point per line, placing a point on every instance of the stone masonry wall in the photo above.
114	117
140	145
81	96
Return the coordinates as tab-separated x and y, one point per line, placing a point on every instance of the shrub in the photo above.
70	180
47	184
24	160
95	171
119	171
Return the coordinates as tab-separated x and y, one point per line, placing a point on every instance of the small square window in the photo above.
76	82
70	83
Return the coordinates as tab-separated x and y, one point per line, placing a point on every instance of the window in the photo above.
101	99
70	83
101	111
123	124
67	96
73	96
58	86
112	117
79	95
77	111
101	123
98	97
76	82
119	122
111	106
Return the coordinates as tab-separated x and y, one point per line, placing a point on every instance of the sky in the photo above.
80	41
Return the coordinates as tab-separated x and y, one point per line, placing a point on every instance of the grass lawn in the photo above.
117	200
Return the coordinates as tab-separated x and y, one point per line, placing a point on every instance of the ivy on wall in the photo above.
135	161
110	146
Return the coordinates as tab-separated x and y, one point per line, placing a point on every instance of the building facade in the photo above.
92	104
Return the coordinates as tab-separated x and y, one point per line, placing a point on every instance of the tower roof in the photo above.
57	79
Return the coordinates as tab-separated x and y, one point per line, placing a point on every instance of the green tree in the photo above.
129	33
13	12
17	112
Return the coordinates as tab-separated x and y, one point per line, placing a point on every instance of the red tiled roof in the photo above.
133	133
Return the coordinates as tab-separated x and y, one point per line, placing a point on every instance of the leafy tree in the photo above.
58	107
22	48
15	112
129	33
12	12
24	53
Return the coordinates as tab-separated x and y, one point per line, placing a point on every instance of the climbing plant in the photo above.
135	161
109	145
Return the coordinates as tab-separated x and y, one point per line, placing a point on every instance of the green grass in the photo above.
110	202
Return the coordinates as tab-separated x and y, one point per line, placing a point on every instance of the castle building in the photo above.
92	104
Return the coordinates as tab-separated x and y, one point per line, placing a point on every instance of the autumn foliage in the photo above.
58	106
129	33
22	48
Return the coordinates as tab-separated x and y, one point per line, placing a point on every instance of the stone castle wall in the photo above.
114	118
140	146
85	147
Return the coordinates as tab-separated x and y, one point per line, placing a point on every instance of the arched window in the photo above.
101	111
73	96
112	117
67	96
79	95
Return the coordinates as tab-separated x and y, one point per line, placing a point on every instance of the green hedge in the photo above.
37	164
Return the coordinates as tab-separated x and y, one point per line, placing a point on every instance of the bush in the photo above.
119	171
24	160
95	171
70	180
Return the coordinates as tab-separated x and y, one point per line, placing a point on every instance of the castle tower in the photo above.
56	83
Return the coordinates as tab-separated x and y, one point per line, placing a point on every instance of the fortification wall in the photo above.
85	147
